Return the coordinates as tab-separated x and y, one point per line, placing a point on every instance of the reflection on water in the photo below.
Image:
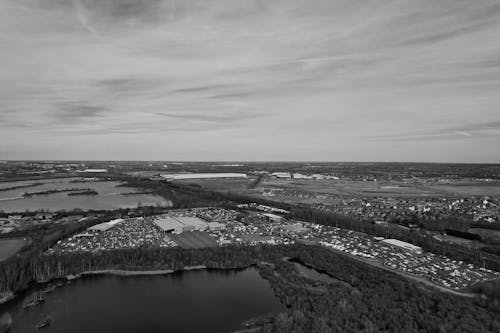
193	301
109	196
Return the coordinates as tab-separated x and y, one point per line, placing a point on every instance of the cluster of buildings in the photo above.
480	208
227	227
147	231
401	256
116	234
296	175
190	176
263	208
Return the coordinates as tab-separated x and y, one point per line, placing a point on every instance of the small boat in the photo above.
35	301
29	304
59	284
39	298
44	323
49	289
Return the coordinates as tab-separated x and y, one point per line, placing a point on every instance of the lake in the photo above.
110	196
191	301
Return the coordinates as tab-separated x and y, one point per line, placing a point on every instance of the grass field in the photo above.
223	185
9	247
193	240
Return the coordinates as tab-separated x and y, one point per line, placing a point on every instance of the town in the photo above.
202	227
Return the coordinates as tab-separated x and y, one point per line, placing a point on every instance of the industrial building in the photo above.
95	170
272	217
295	228
105	226
402	245
184	176
213	226
281	175
181	224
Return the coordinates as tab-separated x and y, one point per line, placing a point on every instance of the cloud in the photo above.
227	118
469	131
76	111
341	79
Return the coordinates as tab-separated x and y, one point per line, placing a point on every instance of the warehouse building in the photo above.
193	222
95	170
180	224
214	226
272	217
402	245
169	224
105	226
183	176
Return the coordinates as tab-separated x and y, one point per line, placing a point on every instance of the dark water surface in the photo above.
192	301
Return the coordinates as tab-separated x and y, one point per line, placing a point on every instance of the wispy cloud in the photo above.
76	111
345	78
212	118
474	130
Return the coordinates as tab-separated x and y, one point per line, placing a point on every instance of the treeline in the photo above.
47	192
375	300
17	273
192	195
4	189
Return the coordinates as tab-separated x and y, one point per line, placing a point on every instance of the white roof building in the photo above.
281	174
182	176
216	226
169	224
180	224
105	226
403	245
272	217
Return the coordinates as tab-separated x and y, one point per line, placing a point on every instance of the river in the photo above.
191	301
110	196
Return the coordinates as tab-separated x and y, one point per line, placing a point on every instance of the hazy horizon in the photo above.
250	80
242	161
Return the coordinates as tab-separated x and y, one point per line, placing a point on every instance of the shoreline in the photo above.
125	272
9	295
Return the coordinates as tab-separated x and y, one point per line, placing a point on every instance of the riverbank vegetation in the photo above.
84	192
70	190
4	189
367	299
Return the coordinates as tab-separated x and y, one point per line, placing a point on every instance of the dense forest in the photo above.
367	299
374	300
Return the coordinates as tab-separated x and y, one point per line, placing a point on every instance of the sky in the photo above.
312	80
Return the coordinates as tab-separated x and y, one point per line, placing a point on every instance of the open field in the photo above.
315	191
233	185
9	247
469	189
193	240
